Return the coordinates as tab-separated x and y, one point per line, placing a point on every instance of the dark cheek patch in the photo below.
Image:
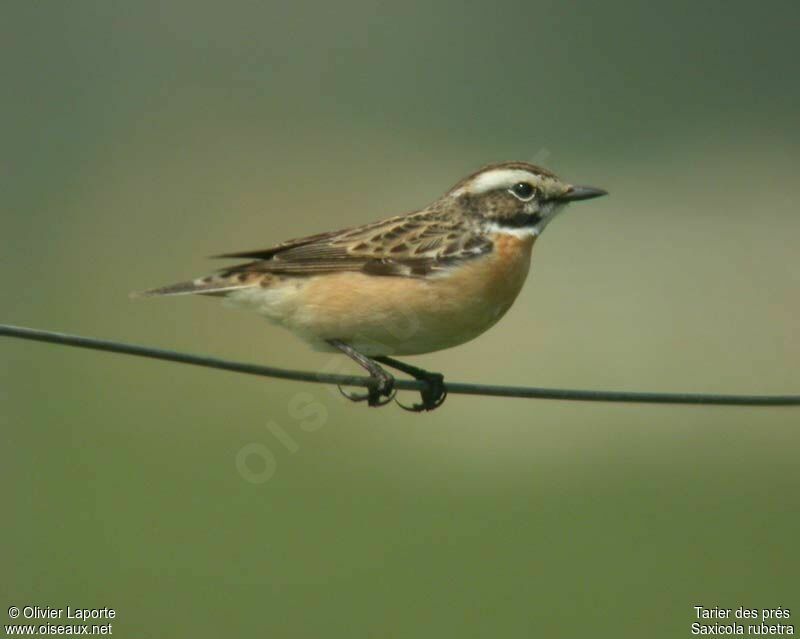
518	220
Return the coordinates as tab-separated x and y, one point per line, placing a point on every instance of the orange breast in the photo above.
510	263
494	282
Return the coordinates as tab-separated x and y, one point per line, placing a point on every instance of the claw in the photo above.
376	395
414	408
353	397
432	397
375	400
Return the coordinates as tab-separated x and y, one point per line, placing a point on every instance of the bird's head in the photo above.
517	197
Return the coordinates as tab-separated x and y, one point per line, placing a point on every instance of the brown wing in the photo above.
409	245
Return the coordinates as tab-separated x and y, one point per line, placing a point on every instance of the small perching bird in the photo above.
406	285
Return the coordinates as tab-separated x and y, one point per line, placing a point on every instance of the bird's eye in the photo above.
524	191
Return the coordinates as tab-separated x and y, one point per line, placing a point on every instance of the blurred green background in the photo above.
139	137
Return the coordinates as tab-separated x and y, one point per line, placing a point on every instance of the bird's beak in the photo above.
574	193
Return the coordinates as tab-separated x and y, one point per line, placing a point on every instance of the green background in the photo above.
139	137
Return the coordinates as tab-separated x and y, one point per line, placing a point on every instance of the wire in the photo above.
402	384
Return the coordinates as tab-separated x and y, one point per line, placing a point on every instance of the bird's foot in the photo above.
433	395
378	394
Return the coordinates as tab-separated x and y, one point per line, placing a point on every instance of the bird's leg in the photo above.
433	395
384	382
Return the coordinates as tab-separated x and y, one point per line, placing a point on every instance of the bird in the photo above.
410	284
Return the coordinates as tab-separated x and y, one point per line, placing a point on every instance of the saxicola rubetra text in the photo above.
406	285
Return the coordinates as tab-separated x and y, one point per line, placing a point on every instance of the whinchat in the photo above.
406	285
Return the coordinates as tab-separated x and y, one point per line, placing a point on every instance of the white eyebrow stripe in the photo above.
496	179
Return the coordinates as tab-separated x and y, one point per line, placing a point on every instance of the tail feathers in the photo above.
211	285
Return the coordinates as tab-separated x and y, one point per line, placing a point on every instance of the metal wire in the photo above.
564	394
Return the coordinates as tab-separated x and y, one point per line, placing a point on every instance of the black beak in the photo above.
575	193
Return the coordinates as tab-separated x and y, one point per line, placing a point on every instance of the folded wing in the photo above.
415	245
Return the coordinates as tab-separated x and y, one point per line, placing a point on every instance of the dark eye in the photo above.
523	190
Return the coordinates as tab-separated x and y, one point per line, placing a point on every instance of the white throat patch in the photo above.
521	232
